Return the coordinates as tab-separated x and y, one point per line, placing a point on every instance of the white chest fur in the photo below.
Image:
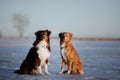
43	52
63	53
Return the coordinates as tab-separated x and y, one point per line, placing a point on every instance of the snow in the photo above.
100	60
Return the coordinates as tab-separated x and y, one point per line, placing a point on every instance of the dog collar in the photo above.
63	47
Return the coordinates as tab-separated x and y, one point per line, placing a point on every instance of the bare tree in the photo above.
0	34
20	22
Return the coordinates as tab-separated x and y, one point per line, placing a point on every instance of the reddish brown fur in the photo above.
73	60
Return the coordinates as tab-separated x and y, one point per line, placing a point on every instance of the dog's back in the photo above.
30	62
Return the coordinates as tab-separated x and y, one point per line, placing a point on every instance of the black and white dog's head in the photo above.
42	36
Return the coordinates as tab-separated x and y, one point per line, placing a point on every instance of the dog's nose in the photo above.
62	38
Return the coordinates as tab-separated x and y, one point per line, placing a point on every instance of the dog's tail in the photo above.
17	71
78	73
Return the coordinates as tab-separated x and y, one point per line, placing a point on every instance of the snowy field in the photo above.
101	60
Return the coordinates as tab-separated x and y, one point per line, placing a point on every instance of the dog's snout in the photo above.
43	36
63	38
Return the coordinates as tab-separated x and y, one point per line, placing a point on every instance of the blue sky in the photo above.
84	18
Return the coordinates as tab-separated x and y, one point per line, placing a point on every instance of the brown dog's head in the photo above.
42	35
65	38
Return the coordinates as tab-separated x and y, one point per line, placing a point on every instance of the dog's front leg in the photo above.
69	67
62	67
46	68
40	70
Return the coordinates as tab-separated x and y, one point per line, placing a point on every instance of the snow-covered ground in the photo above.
100	60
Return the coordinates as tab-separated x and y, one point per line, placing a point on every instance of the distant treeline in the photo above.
75	38
93	38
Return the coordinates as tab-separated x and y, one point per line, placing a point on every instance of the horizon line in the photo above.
55	37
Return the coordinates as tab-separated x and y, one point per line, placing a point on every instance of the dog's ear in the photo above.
60	34
71	35
48	32
36	33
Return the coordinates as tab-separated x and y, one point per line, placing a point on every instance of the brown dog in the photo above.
38	56
69	55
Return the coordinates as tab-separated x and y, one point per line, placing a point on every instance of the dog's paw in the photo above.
41	73
68	72
59	73
48	73
82	72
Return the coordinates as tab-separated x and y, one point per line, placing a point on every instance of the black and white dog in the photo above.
37	58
